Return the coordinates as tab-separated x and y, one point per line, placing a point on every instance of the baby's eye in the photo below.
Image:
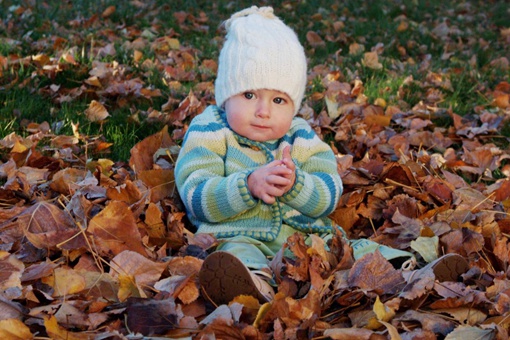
248	95
279	100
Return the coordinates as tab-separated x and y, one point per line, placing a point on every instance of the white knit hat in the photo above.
260	52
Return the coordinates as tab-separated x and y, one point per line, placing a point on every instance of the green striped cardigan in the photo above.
211	176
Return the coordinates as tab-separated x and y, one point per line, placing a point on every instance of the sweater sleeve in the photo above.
207	193
318	186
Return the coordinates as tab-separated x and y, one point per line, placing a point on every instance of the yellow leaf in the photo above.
103	163
59	333
173	43
128	287
66	281
247	301
13	329
19	147
392	331
380	102
383	312
41	59
263	310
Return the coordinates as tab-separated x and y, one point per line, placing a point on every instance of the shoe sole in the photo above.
449	267
223	277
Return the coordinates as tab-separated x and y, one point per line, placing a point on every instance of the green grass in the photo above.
33	27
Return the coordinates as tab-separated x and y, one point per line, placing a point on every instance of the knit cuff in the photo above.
293	193
244	192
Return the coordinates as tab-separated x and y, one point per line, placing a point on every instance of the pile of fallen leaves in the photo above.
91	248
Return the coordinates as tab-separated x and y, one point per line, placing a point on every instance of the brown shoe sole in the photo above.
223	277
449	267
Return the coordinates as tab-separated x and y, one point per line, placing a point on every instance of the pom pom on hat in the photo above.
260	52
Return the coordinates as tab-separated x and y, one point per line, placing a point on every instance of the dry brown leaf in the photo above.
502	250
96	112
149	317
47	226
129	192
154	221
10	271
373	273
161	183
356	48
144	271
349	333
142	153
428	321
470	332
10	310
465	315
314	39
371	60
66	180
417	287
114	230
187	265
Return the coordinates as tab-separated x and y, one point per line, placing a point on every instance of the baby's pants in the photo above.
254	253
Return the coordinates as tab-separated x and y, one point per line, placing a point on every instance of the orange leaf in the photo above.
108	11
114	230
130	192
142	153
161	183
503	192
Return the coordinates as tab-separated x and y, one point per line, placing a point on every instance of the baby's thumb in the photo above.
286	152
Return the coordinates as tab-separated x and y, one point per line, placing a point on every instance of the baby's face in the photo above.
260	115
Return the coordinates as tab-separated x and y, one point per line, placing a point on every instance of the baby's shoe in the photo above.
448	267
223	277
